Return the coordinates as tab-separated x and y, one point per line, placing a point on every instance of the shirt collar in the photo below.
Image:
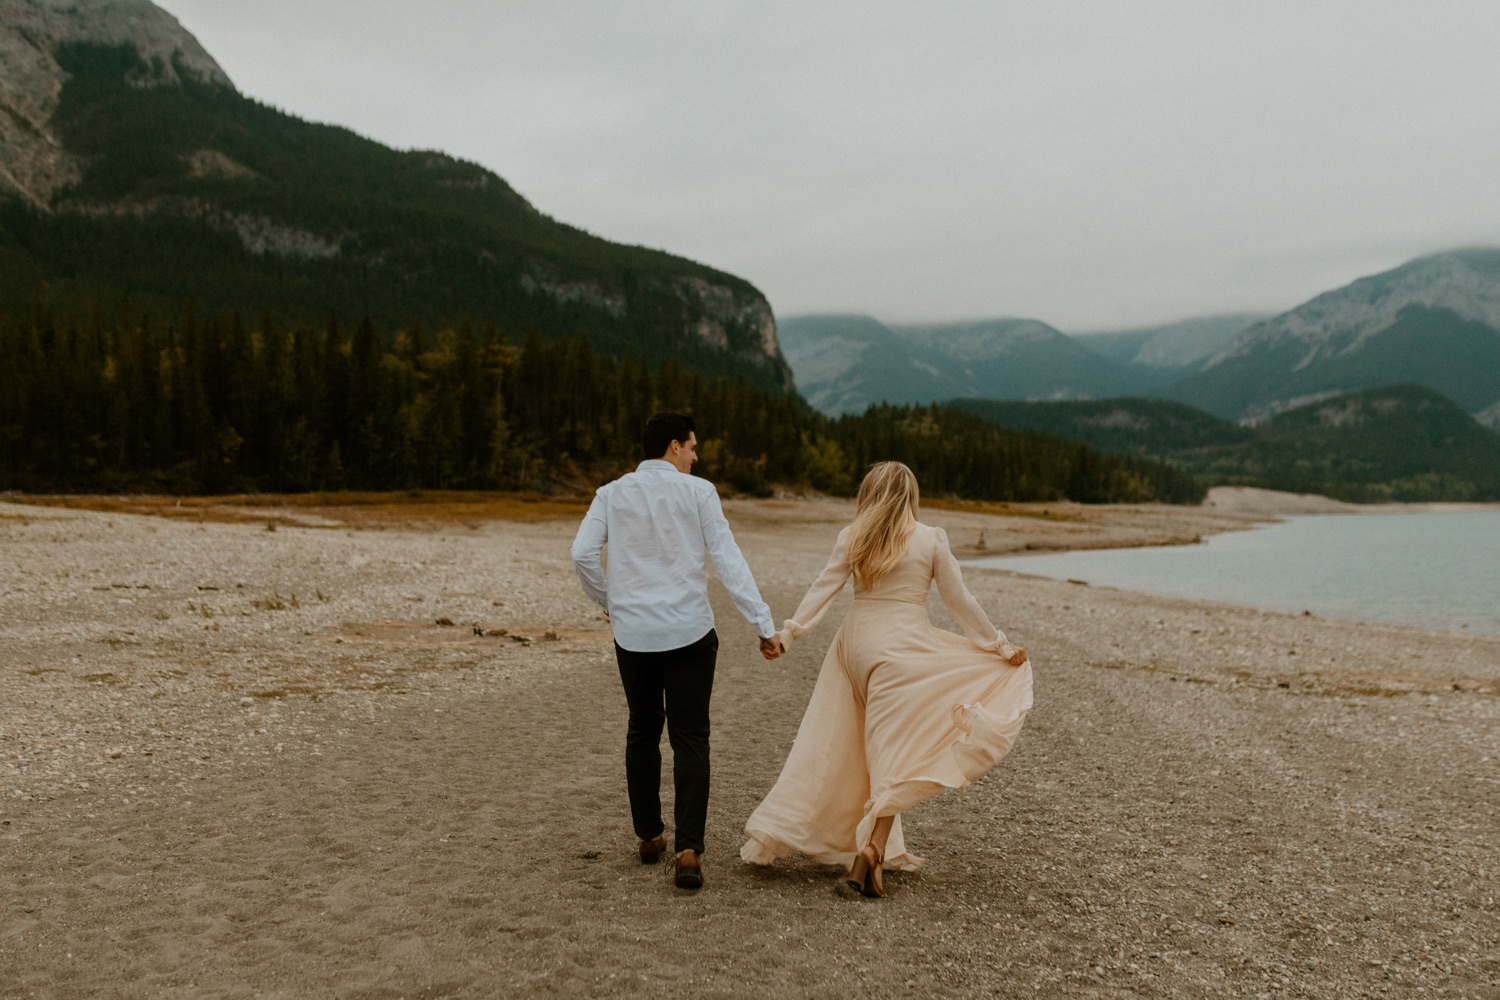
656	465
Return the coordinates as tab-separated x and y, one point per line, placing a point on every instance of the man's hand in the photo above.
771	648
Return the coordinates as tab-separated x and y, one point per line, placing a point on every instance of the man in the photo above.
661	523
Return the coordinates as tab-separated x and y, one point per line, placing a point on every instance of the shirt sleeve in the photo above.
730	563
819	597
961	604
588	547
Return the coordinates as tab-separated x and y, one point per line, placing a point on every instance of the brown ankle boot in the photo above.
651	850
689	872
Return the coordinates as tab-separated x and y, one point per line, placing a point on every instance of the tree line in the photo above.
126	403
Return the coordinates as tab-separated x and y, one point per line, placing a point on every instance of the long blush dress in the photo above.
900	711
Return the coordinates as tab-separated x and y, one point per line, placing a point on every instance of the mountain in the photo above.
130	165
845	363
1126	426
1173	348
1434	321
1022	359
1490	416
1401	442
34	164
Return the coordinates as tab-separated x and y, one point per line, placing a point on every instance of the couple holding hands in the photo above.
900	710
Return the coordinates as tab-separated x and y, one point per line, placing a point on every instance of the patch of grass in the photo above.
405	508
308	690
1040	512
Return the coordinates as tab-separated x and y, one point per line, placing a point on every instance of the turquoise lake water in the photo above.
1431	569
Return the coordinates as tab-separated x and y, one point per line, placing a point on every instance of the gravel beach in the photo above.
261	752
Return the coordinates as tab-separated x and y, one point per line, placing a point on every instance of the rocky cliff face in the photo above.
33	163
136	185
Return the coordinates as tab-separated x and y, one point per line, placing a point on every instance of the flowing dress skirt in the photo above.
901	710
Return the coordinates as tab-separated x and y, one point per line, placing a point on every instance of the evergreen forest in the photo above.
193	190
1403	443
127	402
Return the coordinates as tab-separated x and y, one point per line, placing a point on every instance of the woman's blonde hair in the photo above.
883	521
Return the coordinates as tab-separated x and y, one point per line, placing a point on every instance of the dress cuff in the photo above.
789	633
1001	646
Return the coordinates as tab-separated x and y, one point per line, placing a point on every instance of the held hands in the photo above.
771	647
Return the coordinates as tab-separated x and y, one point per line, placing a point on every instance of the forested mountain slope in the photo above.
1401	442
166	184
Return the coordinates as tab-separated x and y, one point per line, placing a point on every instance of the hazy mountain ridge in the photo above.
844	363
1434	320
1175	346
167	184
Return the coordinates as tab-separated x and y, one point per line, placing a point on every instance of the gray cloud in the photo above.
1091	164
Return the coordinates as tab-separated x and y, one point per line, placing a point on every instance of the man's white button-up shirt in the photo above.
661	525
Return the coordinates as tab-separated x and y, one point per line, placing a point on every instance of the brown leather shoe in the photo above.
651	850
688	873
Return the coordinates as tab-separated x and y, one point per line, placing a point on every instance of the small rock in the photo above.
246	701
445	621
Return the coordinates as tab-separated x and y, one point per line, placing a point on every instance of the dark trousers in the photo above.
671	687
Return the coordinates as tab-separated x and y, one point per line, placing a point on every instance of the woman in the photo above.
901	709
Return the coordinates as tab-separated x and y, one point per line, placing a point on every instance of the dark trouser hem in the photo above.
670	688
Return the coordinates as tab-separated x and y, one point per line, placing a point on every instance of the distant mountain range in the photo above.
845	363
1434	321
130	166
1174	347
1402	442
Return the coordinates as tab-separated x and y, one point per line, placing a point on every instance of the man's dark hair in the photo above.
664	428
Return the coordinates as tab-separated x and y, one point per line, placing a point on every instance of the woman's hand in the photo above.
1017	658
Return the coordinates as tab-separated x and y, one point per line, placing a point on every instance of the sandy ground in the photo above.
241	762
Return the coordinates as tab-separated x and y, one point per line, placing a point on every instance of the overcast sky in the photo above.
1095	165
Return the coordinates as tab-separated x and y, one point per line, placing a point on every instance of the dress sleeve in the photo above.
961	604
821	594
